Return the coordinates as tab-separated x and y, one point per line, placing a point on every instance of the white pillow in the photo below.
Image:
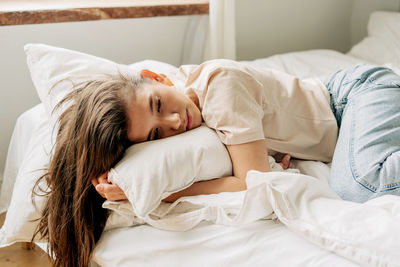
151	171
382	45
20	223
48	65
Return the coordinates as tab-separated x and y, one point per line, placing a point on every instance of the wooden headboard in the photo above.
18	12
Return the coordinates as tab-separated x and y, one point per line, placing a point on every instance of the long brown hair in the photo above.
91	138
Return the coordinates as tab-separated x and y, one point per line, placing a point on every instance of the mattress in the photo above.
262	243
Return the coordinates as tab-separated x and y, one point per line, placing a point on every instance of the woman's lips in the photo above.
188	120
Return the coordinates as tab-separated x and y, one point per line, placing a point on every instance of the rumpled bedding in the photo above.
368	234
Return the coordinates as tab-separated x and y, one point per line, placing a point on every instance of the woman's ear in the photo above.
151	75
156	77
166	80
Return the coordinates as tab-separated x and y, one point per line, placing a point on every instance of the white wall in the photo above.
361	11
267	27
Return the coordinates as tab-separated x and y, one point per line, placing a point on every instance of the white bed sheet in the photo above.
259	243
262	243
305	64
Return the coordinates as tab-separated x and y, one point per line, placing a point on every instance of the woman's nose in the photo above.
173	121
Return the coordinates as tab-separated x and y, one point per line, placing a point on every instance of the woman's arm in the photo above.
224	184
245	157
248	156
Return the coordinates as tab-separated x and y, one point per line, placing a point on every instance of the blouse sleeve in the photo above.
233	106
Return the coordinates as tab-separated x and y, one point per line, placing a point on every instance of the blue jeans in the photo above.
366	102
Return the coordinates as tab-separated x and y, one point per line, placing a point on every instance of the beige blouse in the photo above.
245	104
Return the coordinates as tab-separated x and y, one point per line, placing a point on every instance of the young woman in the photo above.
254	112
258	110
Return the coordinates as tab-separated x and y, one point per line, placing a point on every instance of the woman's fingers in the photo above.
111	192
285	163
95	182
103	179
107	189
99	181
100	190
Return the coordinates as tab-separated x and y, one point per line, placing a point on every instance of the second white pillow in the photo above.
151	171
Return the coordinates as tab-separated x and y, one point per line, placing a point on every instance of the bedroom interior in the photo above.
323	36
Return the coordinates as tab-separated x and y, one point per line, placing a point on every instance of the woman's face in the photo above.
159	111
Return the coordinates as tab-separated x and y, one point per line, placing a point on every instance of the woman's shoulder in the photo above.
212	66
201	77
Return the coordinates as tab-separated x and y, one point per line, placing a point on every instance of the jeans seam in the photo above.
351	81
392	186
387	85
353	168
355	174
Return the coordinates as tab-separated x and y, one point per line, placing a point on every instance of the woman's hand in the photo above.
285	162
107	189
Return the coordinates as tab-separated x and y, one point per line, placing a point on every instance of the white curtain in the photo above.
222	29
210	36
195	40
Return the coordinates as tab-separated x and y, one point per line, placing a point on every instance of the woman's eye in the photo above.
156	134
158	105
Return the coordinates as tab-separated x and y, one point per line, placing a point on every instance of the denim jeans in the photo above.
366	102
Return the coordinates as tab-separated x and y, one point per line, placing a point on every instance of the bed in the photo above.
278	240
